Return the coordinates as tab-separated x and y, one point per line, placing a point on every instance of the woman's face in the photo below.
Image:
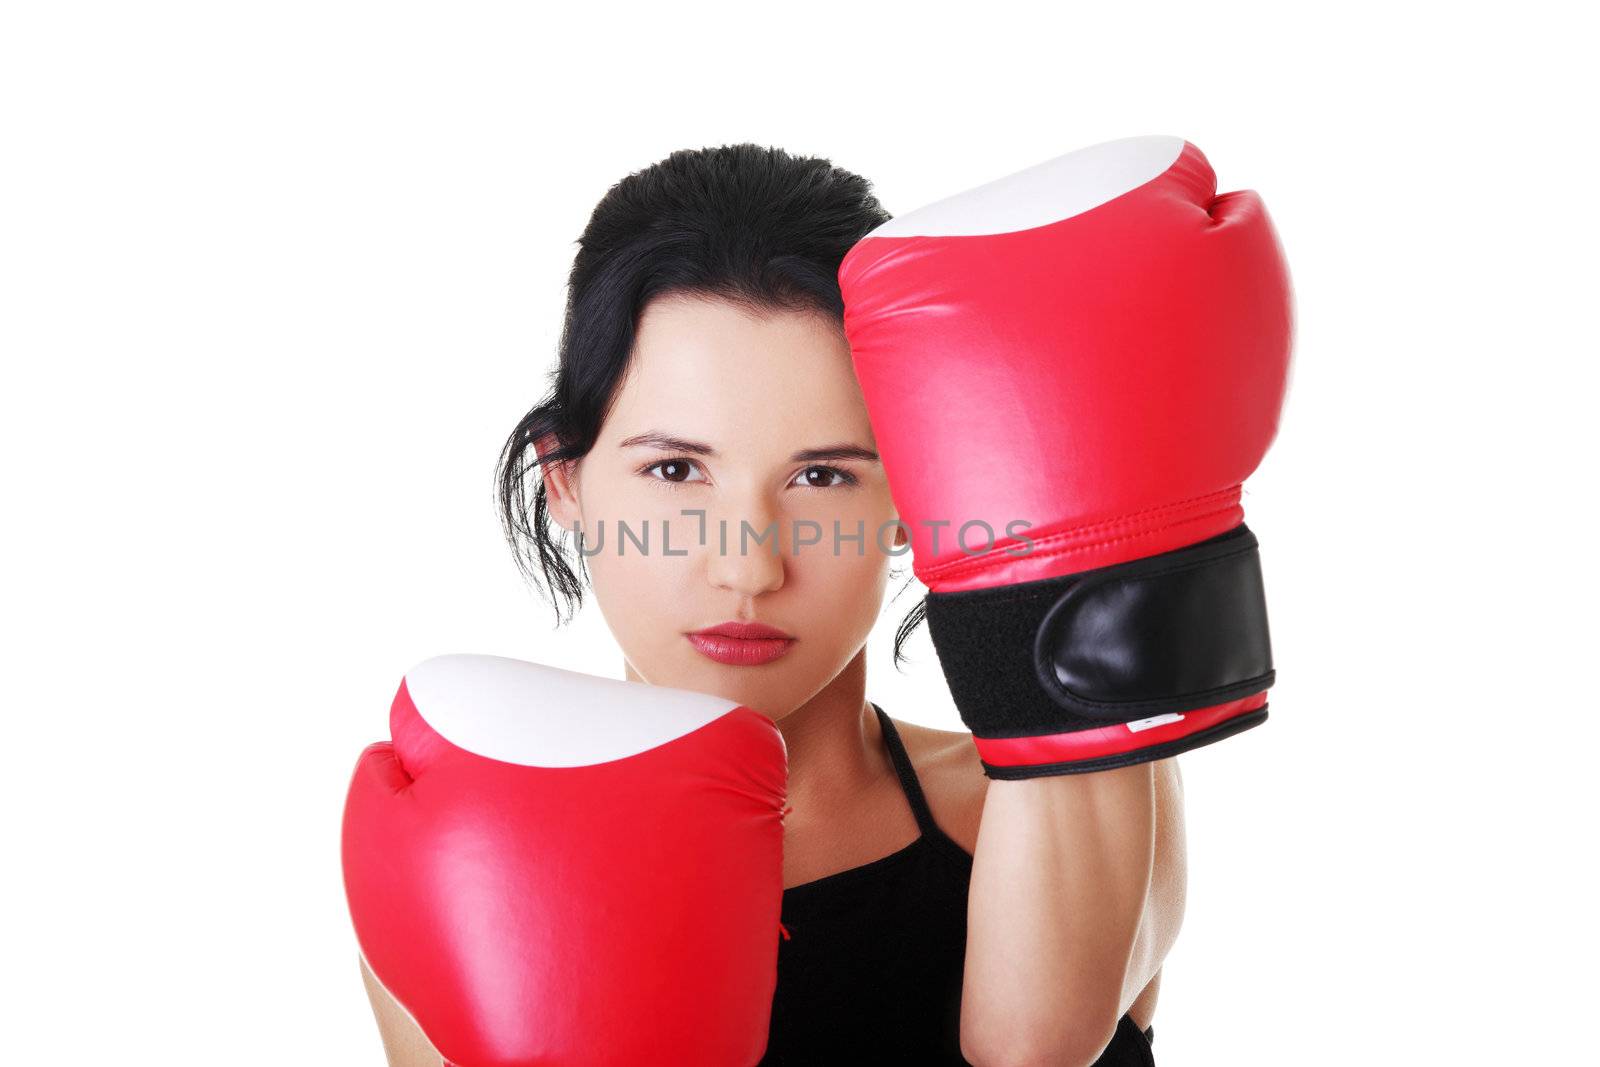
731	422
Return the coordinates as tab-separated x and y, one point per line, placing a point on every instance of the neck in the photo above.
835	746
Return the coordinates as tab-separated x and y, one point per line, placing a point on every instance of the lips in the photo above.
741	644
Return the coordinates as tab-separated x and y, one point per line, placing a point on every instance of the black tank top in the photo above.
870	971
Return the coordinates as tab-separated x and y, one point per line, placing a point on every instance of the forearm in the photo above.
1060	881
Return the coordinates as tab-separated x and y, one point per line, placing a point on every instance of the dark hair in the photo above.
744	223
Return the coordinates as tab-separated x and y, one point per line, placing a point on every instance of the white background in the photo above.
278	279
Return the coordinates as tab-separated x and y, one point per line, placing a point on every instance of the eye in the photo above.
817	477
677	471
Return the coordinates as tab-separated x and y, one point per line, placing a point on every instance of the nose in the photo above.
746	549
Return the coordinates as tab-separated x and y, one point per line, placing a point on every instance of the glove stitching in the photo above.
978	562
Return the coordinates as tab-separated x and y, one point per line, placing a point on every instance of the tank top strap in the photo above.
908	775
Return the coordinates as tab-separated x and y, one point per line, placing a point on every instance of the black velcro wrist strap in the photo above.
1183	630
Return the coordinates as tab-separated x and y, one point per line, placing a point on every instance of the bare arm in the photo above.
1076	898
403	1041
1169	885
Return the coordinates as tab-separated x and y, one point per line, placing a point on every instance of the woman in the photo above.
705	384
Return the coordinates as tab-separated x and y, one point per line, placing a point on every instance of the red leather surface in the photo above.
1111	378
613	913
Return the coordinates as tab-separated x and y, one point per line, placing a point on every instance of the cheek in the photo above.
637	591
627	520
842	582
643	600
640	591
868	511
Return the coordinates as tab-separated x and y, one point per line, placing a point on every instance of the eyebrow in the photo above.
673	443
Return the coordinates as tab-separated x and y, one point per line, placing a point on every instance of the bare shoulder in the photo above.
952	778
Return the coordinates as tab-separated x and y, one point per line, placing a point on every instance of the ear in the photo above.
560	484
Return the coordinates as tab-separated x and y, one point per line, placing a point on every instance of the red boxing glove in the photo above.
548	867
1069	373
